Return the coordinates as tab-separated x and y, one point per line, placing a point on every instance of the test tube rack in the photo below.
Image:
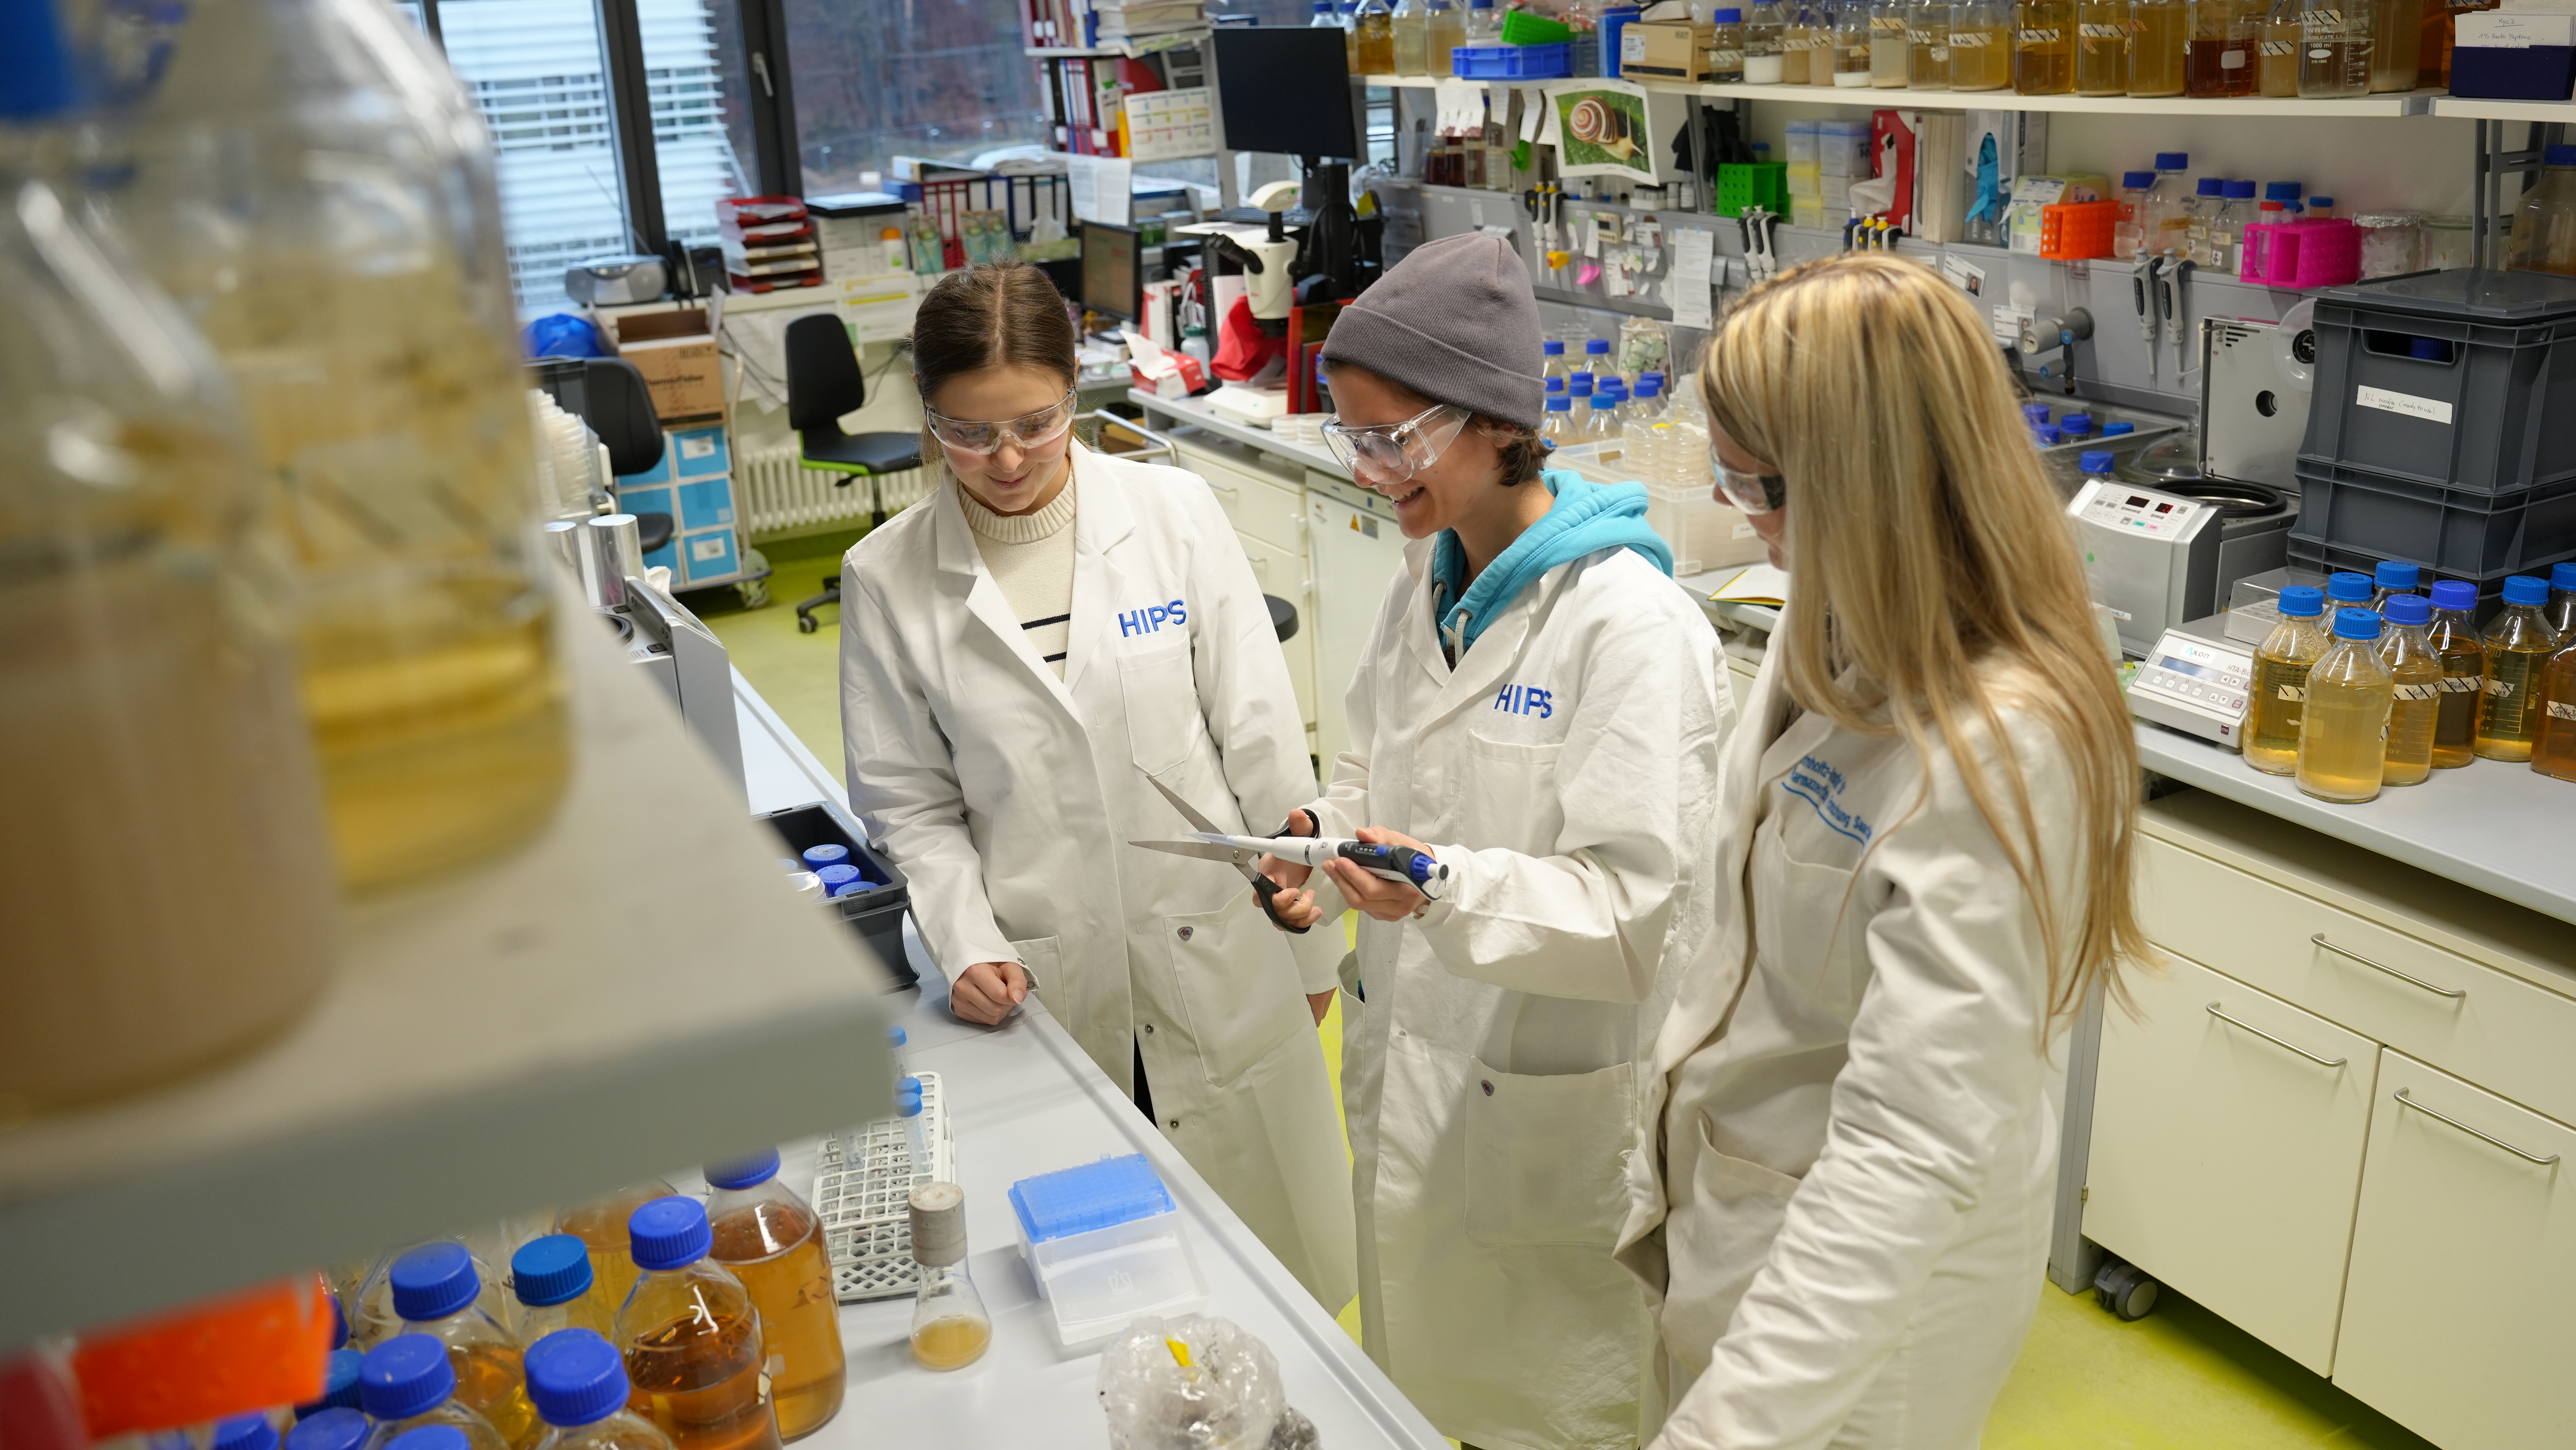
863	1193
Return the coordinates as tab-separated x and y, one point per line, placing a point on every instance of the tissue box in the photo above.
2514	55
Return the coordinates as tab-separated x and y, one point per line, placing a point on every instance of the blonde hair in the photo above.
1929	546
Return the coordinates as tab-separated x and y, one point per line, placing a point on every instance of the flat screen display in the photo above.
1109	281
1285	90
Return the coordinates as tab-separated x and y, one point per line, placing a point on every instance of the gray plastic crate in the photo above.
2454	531
2460	379
2307	556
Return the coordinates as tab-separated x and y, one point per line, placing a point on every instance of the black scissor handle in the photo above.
1268	891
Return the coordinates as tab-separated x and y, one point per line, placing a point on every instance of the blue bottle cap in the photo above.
2047	435
2285	192
1596	346
2356	624
2114	430
1654	373
2398	574
405	1376
36	76
2409	609
2240	191
897	1037
2559	156
2562	576
339	1385
2095	460
551	1270
2214	186
834	877
430	1437
1728	16
2136	180
1554	346
243	1432
1556	385
2320	203
1560	402
830	853
669	1233
2075	423
575	1378
907	1098
2526	589
434	1281
2172	160
2454	594
748	1171
1649	385
2345	584
2035	412
2303	601
337	1428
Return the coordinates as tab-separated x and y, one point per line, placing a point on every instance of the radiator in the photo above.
775	497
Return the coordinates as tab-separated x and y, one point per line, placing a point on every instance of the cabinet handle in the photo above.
2268	1037
2320	939
2407	1102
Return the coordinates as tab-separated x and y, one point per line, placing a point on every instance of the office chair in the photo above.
823	383
608	393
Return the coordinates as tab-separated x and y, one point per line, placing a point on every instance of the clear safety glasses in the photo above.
1394	452
1029	432
1754	493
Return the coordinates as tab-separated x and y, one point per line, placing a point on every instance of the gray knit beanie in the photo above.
1455	322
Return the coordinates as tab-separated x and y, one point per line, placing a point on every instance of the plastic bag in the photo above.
1198	1383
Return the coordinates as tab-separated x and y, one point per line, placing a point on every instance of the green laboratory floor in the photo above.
2180	1379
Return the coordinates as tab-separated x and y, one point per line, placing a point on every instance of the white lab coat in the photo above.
1843	1186
1008	797
1566	773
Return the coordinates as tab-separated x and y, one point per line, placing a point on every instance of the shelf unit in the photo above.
634	989
2547	113
2393	103
1137	48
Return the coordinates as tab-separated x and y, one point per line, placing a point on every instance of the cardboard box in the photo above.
677	357
1666	51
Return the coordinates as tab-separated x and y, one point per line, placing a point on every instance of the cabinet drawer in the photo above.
2454	1013
1257	503
2462	1298
2197	1119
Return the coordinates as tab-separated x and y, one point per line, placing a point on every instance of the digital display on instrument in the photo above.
2186	667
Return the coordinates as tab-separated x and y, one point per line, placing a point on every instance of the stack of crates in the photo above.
694	485
1825	158
2443	428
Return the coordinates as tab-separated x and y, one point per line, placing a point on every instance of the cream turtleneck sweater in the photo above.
1031	558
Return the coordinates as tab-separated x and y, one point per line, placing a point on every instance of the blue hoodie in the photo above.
1587	517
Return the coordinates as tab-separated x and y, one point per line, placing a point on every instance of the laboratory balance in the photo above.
2194	679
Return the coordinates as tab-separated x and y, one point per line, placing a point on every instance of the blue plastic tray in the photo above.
1091	1196
1513	62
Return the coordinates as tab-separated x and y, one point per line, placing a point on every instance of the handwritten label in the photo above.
2431	410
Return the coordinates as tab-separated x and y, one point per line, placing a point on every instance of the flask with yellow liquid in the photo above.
2517	640
2270	739
2343	726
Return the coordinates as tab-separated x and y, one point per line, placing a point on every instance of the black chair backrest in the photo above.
823	377
608	394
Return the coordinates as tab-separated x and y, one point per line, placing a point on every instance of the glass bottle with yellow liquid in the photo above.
578	1383
2561	609
320	195
552	1280
1373	38
950	1328
2397	43
435	1288
2270	736
2044	47
2415	671
2517	640
1927	46
2553	740
1888	43
1981	45
2343	726
2453	635
1797	37
2157	29
147	678
2334	49
2102	47
2218	57
602	1227
1412	38
774	1244
691	1338
409	1382
2276	51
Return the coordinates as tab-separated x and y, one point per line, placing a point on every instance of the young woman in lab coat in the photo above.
1540	707
1022	652
1843	1190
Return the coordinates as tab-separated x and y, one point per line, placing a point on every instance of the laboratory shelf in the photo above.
1142	45
2467	108
632	989
2493	825
1428	83
2393	103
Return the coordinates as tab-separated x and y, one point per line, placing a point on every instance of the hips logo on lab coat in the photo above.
1526	700
1820	785
1151	618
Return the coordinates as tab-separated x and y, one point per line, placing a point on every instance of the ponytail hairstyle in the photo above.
996	315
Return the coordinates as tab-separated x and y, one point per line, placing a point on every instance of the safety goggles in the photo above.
1754	493
1394	452
1028	432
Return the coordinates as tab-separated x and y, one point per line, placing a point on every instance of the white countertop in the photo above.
1025	1099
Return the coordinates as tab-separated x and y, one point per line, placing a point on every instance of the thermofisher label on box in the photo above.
2432	410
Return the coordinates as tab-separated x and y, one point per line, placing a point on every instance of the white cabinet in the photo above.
1266	503
2461	1308
1352	537
2230	1126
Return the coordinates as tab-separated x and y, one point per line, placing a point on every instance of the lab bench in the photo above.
1025	1099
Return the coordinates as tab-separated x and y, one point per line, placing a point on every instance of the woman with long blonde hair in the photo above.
1925	819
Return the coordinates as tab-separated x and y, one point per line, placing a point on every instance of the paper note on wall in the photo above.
1102	186
1686	291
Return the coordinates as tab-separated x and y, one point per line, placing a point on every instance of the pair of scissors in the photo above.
1423	871
1213	845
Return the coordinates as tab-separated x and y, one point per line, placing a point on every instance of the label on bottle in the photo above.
1970	39
2278	48
2562	709
1726	60
2293	694
1887	24
2103	32
2419	692
2040	35
2432	410
2461	684
2501	689
2231	60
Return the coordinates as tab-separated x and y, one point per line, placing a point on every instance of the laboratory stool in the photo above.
824	383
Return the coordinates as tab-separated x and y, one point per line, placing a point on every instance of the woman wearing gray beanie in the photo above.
1541	708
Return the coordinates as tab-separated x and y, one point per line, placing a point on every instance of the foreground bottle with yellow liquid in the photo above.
2415	672
2454	638
435	1288
2270	737
313	186
773	1243
2517	640
2343	727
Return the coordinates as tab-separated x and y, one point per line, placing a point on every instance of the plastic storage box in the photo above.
1104	1243
1522	27
1703	533
2075	231
2460	379
2322	253
1513	62
875	912
2466	532
1742	184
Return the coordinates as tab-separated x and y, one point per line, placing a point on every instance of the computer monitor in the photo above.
1285	90
1113	275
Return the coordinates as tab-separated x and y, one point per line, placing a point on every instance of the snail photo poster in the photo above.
1613	128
